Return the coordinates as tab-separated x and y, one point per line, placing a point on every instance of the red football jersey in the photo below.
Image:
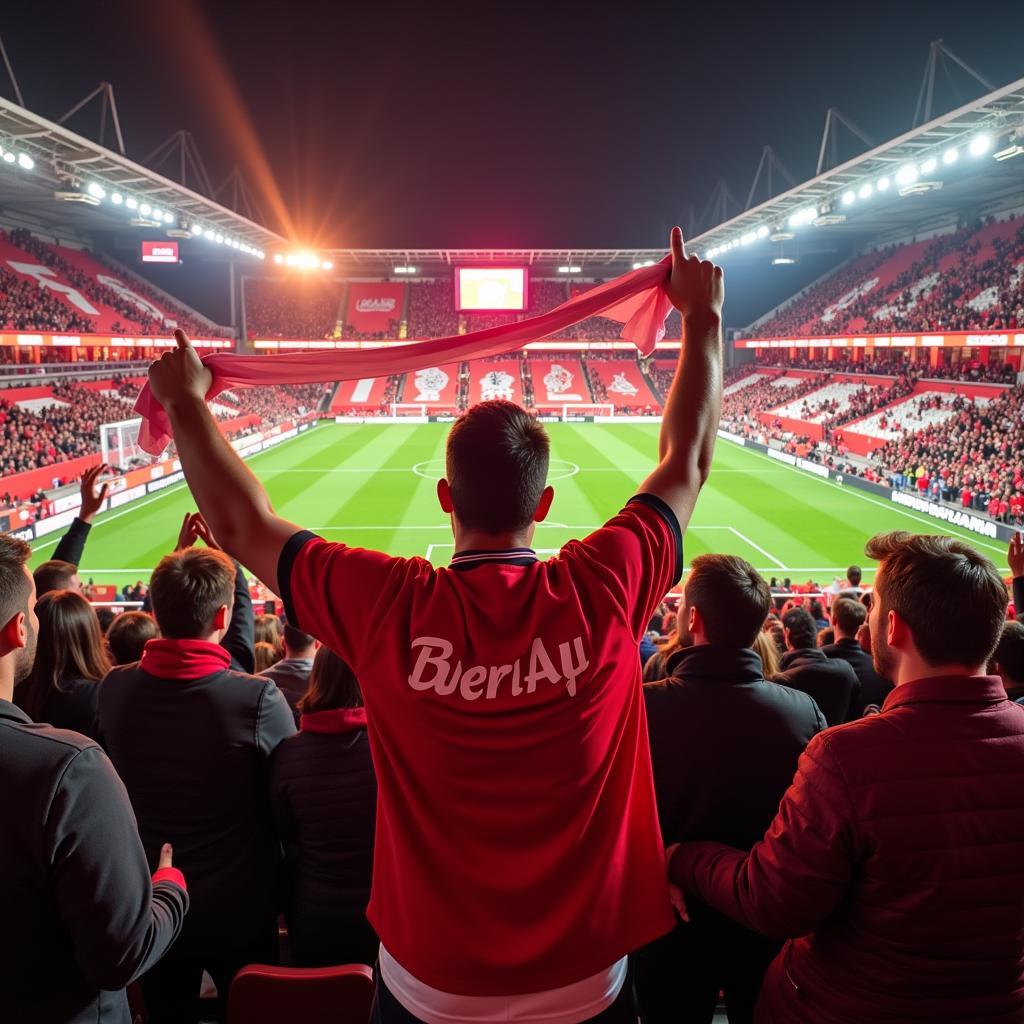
517	845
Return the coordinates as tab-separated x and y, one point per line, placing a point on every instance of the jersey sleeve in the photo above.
637	557
338	593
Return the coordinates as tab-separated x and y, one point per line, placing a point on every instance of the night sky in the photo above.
516	124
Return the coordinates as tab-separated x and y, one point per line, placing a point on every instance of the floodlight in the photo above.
951	156
168	218
577	270
208	233
782	261
929	165
131	203
906	175
762	231
748	237
278	258
156	214
849	198
9	157
980	144
866	190
218	238
883	184
327	265
261	254
96	190
25	161
116	198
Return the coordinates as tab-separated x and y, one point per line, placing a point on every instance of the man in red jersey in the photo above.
518	857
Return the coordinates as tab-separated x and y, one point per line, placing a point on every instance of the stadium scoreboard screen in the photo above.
160	252
490	289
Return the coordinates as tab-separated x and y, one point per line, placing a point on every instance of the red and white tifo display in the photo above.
490	289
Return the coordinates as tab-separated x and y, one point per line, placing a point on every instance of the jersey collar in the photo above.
463	560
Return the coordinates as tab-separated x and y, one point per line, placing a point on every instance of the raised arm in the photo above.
72	544
694	404
231	500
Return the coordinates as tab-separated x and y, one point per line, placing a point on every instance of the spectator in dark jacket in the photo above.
192	741
848	616
324	793
82	918
704	791
128	635
1008	660
292	672
63	687
893	863
61	571
805	666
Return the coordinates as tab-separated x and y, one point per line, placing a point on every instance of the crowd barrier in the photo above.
962	518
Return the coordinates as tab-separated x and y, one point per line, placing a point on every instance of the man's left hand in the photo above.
180	374
92	500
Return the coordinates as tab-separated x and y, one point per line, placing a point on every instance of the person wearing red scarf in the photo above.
192	741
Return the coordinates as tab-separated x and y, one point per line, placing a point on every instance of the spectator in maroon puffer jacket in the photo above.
895	864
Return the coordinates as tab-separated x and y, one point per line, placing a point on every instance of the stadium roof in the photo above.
963	160
59	160
64	162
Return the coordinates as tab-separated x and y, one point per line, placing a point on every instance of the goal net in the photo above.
581	409
119	443
409	410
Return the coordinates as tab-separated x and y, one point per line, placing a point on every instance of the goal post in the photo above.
409	410
119	444
598	411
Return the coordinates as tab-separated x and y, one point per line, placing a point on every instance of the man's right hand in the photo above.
166	857
1016	555
92	500
179	375
695	287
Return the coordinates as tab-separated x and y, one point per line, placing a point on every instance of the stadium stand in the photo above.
276	308
432	310
968	279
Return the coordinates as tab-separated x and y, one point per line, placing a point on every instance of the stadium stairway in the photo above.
586	377
645	370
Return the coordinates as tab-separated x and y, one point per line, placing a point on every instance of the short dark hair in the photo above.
53	575
497	467
14	585
950	596
105	617
848	615
128	635
803	631
187	588
1010	652
853	574
332	684
731	596
296	640
816	610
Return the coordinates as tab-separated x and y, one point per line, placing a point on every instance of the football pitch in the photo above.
373	485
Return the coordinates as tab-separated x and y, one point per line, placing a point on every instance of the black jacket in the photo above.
194	755
72	545
81	918
873	688
832	683
323	792
724	744
73	706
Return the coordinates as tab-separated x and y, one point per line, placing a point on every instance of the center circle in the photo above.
558	469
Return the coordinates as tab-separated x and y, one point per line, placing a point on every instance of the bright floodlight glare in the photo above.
96	190
25	161
864	192
9	157
261	254
782	261
156	214
951	156
906	175
116	198
747	238
849	198
197	230
131	203
883	184
980	144
762	231
208	233
290	259
218	237
145	208
278	258
929	165
327	265
168	218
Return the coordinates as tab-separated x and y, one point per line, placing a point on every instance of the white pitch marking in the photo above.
756	547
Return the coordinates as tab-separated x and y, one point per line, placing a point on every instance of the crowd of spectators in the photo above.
951	286
432	310
307	308
895	364
24	306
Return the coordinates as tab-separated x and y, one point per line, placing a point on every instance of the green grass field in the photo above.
373	486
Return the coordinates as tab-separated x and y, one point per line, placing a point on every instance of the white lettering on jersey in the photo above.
432	670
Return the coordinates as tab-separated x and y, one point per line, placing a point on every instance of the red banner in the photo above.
375	308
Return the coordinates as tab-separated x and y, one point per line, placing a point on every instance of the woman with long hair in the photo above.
267	630
656	665
764	646
71	660
323	793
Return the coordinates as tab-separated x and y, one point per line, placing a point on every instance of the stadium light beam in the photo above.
866	190
951	156
907	175
928	167
96	190
762	231
883	184
980	144
25	162
849	197
116	198
132	203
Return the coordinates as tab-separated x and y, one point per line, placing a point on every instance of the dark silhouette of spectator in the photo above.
849	615
128	635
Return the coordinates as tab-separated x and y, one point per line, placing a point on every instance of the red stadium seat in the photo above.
261	994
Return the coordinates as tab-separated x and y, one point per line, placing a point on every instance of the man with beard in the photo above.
716	688
892	864
82	917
